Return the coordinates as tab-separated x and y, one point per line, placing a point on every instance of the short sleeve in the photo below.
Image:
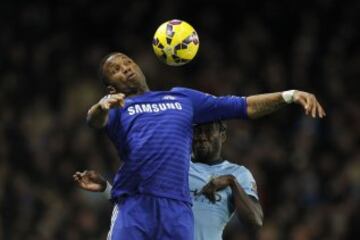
209	108
247	182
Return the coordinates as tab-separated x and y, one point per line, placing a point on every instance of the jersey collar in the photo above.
211	163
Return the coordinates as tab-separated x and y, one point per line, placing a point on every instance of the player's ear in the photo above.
110	89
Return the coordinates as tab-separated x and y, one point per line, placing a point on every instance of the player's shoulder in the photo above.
175	89
181	90
236	168
186	91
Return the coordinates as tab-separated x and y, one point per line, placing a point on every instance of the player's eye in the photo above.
126	61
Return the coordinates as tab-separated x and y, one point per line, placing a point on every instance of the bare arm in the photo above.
247	208
92	181
263	104
97	117
98	114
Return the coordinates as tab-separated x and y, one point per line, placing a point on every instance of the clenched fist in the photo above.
90	181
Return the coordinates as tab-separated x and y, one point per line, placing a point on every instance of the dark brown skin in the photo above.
207	146
90	181
123	75
263	104
124	78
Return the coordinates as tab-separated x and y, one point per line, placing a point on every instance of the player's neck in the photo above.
213	161
139	91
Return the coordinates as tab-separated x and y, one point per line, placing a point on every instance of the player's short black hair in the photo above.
101	74
221	125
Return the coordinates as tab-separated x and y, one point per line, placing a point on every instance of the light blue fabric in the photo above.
211	218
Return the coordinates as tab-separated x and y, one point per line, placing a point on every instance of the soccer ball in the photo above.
175	42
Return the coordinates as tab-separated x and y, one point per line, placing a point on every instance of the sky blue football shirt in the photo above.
211	218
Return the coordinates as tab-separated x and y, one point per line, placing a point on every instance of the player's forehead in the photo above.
116	58
206	127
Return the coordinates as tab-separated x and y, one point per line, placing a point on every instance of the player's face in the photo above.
123	74
207	142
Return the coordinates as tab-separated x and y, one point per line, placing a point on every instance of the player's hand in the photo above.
310	104
111	101
216	184
90	181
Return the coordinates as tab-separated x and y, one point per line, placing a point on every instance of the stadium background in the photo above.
308	171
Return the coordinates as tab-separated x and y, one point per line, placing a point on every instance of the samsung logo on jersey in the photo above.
153	107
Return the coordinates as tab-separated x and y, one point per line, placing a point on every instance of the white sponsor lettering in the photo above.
131	110
162	106
170	105
154	107
138	108
178	106
146	107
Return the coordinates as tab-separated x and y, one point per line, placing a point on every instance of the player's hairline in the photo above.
222	125
107	57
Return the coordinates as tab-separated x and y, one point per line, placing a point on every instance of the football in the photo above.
175	42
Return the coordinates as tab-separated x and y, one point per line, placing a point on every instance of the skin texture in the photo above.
264	104
90	181
122	75
207	147
207	142
123	78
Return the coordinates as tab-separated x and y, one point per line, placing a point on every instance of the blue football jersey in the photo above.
153	134
211	218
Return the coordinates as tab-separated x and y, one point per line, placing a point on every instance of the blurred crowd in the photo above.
308	171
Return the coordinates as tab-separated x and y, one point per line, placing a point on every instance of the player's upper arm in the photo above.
113	123
209	108
247	182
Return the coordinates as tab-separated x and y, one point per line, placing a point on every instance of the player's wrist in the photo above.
288	96
102	107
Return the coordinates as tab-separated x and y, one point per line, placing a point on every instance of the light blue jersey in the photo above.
211	218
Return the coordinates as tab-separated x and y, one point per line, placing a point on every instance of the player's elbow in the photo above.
255	219
258	218
258	222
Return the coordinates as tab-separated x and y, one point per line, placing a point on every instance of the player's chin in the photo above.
202	152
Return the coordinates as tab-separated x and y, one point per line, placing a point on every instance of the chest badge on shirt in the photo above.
169	97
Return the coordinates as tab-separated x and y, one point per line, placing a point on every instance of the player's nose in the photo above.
126	70
201	136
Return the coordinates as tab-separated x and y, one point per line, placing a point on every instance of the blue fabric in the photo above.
211	218
144	217
153	133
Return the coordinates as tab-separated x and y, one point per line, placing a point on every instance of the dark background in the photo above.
308	171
